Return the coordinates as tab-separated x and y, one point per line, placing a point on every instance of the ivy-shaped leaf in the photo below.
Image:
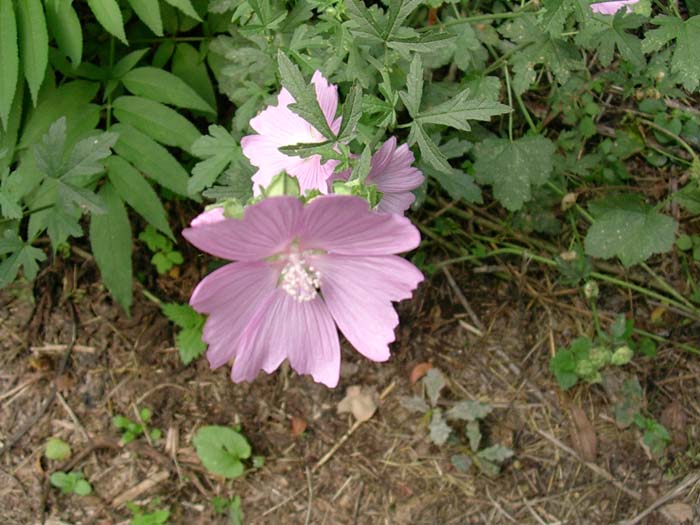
627	228
685	63
605	33
514	168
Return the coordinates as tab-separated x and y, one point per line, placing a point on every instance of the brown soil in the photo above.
386	471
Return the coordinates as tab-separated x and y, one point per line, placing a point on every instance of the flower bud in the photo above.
590	290
600	356
622	356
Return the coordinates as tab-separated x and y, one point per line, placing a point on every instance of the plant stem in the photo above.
596	320
108	120
510	101
487	17
675	137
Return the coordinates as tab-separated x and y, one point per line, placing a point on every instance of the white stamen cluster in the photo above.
299	279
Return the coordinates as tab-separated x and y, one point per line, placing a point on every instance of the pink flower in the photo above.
610	8
279	126
299	272
392	172
394	176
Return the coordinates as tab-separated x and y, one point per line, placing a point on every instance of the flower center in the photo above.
299	279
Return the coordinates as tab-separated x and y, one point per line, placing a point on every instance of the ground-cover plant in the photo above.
222	450
71	483
466	417
145	516
131	430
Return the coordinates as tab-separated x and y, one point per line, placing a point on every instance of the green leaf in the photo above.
458	109
235	183
189	65
555	14
154	240
306	103
110	239
71	100
10	207
158	517
127	63
65	27
158	121
363	166
434	382
109	15
427	42
684	242
9	58
190	344
655	436
352	111
514	168
135	190
221	450
21	255
33	44
414	87
439	430
605	33
457	184
474	435
563	366
627	228
82	488
149	13
71	483
396	15
429	151
183	315
469	410
86	158
63	481
186	7
496	453
685	63
218	149
162	86
57	449
631	397
363	21
151	158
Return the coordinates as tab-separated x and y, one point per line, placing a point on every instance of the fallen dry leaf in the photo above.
675	420
419	371
657	314
298	425
678	512
583	434
358	401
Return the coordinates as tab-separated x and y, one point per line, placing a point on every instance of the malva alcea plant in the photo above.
306	263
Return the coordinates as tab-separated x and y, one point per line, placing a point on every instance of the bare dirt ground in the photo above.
65	336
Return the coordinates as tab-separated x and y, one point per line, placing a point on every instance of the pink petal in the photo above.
208	217
266	229
396	174
279	126
344	224
396	203
312	174
304	332
610	8
358	292
327	95
232	295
